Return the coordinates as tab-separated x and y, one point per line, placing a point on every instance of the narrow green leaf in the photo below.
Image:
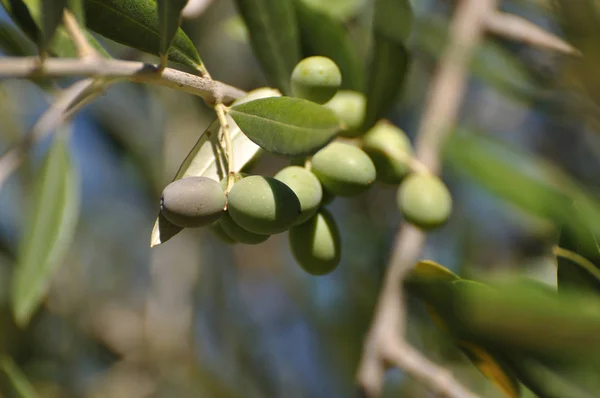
13	42
169	17
78	10
323	34
339	9
207	159
274	38
52	14
287	126
17	378
49	231
21	15
577	261
135	23
392	24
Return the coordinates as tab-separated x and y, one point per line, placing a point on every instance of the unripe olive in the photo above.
218	231
193	202
343	169
316	79
263	205
239	234
424	200
350	107
316	244
307	188
390	149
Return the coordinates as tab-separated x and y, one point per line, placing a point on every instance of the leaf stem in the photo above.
84	49
221	111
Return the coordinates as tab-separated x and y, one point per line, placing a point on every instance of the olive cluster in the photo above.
294	199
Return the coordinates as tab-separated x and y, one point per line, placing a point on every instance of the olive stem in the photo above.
221	111
84	49
385	344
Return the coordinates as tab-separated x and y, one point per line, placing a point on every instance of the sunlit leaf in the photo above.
77	8
286	126
323	34
52	14
169	17
17	378
207	159
274	38
339	9
135	23
49	232
392	24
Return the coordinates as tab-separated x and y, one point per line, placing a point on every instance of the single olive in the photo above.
343	169
217	229
424	200
193	202
350	107
263	205
237	233
316	244
390	149
316	79
307	188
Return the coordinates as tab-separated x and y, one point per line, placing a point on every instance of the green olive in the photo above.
390	150
237	233
316	79
316	244
424	200
263	205
193	202
350	107
307	188
343	169
218	231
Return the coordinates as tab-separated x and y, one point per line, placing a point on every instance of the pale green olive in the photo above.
343	169
307	188
316	79
237	233
193	202
350	107
424	200
315	244
218	231
390	149
263	205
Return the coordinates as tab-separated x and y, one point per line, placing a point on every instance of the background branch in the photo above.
385	343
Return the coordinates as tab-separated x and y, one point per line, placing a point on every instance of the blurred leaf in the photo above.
18	379
528	182
78	10
423	281
28	16
13	42
52	14
392	24
286	126
577	262
274	38
207	159
135	23
169	16
339	9
49	232
323	34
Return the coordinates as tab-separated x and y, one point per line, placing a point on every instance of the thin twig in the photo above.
84	49
220	109
210	90
385	343
519	29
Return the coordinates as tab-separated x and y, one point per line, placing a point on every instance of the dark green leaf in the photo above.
52	15
18	379
169	17
78	10
207	159
286	126
22	16
13	42
577	261
134	23
49	231
274	38
323	34
392	25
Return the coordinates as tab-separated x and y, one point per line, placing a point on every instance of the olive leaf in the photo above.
323	34
392	24
52	14
77	8
28	16
286	126
577	261
17	378
274	38
339	9
423	282
207	159
135	23
49	231
13	42
169	16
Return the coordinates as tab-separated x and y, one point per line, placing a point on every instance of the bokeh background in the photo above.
195	317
